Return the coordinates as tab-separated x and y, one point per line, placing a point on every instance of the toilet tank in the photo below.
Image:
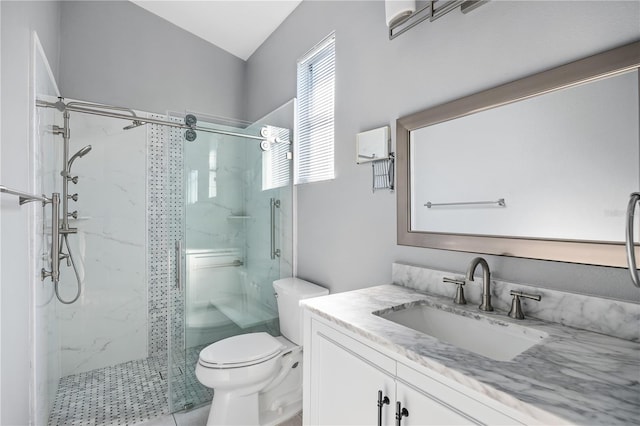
289	293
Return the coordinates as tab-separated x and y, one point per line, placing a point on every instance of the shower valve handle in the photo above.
67	257
73	179
74	214
73	197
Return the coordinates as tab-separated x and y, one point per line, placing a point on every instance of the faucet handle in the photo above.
516	308
459	299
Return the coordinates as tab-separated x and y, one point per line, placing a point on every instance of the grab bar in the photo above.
55	237
221	265
275	252
631	256
500	202
23	196
178	252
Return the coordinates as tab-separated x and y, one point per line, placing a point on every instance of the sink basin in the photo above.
483	335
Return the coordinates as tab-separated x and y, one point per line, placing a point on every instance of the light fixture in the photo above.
401	15
397	11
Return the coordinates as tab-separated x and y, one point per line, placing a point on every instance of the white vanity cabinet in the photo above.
346	382
343	376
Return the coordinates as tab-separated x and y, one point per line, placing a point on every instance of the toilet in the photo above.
257	378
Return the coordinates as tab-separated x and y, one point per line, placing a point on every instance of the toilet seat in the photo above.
240	351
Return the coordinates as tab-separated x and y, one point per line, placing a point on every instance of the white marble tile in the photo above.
107	325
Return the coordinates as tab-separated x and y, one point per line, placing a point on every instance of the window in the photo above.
275	161
316	93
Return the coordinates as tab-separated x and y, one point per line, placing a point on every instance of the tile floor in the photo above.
198	417
127	393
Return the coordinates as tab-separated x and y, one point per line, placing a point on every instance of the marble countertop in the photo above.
573	375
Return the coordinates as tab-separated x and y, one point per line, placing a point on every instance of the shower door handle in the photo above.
275	252
179	265
631	256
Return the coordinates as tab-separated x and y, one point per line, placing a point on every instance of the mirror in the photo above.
539	168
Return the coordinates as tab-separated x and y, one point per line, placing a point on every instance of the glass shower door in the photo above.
236	240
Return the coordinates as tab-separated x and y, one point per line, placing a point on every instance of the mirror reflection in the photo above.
564	162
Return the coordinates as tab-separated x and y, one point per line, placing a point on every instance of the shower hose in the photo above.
75	270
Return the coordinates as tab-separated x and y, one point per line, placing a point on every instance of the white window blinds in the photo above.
316	93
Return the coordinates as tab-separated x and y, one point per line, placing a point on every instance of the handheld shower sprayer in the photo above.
84	151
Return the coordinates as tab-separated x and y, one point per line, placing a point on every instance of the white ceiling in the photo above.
237	26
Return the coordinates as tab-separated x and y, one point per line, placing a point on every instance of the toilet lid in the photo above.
244	349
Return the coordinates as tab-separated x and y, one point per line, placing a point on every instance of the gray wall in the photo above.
346	234
117	53
19	19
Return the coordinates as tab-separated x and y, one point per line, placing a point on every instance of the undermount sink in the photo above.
483	335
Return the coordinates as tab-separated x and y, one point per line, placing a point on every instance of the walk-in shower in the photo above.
128	345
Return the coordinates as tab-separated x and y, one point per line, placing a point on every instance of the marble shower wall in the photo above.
215	192
108	324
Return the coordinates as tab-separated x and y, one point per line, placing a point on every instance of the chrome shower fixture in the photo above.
84	151
133	125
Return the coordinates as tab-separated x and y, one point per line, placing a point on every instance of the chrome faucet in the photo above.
486	281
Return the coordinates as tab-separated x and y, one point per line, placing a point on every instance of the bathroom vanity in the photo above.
368	365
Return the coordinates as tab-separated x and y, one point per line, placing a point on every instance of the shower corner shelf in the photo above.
238	217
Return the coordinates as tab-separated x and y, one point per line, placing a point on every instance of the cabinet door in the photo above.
431	402
345	383
424	409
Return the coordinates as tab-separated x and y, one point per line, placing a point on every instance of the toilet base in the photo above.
273	418
276	405
233	410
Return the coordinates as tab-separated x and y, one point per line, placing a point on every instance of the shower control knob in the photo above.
74	214
73	197
74	179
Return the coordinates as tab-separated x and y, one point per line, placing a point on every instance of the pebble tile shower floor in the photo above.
124	394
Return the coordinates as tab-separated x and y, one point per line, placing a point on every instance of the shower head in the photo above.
84	151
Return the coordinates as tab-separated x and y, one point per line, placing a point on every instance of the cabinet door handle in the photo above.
381	402
400	413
